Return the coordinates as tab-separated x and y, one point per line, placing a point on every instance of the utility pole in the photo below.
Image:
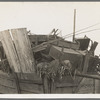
74	25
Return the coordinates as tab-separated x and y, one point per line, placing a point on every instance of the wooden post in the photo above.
74	25
53	87
45	84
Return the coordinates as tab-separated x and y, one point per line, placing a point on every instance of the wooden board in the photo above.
23	48
66	44
40	38
34	88
64	90
86	63
28	92
64	85
7	90
10	51
97	86
8	83
87	86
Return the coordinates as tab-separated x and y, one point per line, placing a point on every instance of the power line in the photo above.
81	30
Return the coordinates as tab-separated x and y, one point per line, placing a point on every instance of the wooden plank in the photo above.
64	90
10	50
97	86
45	84
66	44
11	82
40	48
41	38
53	87
31	82
7	90
86	63
31	87
66	79
88	76
94	89
17	83
23	48
26	86
8	83
5	75
86	86
59	85
94	45
28	92
32	77
64	85
79	85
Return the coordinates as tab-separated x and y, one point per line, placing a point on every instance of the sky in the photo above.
42	17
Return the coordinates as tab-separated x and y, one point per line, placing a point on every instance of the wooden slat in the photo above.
53	87
5	75
41	38
97	86
64	90
17	83
66	44
32	77
45	84
87	86
65	85
79	85
28	92
7	90
8	83
23	48
94	45
86	63
31	87
10	50
88	76
40	48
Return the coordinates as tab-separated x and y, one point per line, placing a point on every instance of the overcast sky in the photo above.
42	17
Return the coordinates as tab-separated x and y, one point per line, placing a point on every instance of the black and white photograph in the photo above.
49	48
